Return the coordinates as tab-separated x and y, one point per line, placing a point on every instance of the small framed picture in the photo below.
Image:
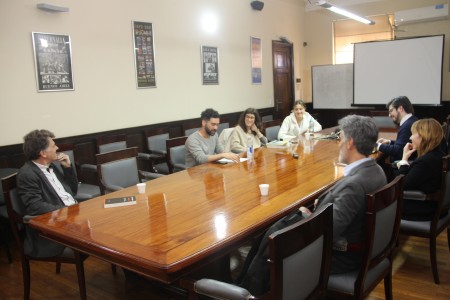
210	65
256	59
53	62
144	55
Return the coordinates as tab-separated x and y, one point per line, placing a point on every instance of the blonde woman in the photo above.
424	173
249	127
298	122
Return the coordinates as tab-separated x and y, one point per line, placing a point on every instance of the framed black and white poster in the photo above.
53	62
210	65
256	59
144	54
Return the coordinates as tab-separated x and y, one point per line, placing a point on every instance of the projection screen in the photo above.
408	67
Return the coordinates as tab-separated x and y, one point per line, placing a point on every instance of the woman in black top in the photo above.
424	173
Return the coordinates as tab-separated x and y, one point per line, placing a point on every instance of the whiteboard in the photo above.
332	86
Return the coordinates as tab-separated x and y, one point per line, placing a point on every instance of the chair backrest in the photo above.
222	126
224	139
69	150
16	209
111	143
444	193
382	120
383	218
176	153
300	257
266	118
271	129
156	140
190	131
447	130
117	169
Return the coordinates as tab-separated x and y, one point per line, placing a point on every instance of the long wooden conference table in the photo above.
194	217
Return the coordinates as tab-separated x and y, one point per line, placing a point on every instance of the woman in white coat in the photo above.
298	122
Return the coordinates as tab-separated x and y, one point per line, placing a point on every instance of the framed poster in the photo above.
144	55
256	58
210	65
53	62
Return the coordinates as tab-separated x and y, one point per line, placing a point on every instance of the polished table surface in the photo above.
193	217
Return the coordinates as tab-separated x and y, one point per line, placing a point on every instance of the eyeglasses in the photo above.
250	117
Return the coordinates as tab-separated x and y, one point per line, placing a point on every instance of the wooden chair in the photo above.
382	227
16	212
176	154
382	120
271	129
111	143
4	222
118	169
156	149
85	191
266	118
431	229
224	139
299	258
106	144
222	126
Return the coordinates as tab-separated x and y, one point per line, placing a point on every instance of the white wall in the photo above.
319	35
105	95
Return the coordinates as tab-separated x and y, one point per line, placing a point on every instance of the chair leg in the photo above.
8	253
448	237
388	285
58	268
113	269
433	259
26	279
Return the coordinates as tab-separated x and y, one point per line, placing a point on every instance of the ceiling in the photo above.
310	4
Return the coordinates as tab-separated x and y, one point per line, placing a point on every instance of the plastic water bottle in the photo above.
249	147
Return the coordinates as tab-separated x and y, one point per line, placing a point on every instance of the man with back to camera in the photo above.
43	188
357	138
401	112
202	146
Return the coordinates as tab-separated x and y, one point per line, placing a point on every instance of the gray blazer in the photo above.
39	197
349	206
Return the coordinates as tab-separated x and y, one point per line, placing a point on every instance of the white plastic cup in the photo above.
141	187
264	189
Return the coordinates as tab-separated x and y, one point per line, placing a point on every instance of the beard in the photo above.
211	132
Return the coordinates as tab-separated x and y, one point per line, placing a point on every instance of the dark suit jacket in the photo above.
349	206
424	174
395	148
39	197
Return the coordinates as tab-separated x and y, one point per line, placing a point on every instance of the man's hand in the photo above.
63	159
383	141
232	156
304	210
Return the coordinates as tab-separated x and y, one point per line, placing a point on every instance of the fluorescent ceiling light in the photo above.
344	12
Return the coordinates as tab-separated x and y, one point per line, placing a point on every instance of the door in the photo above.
283	78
